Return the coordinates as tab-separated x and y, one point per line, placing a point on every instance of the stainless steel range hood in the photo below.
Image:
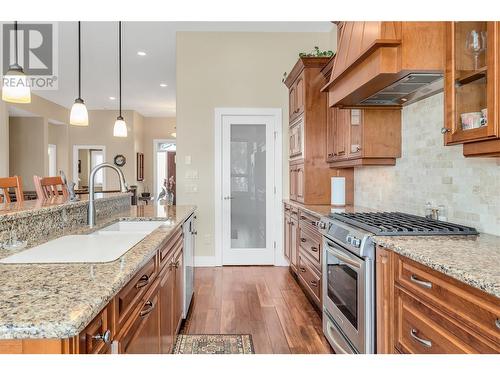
409	89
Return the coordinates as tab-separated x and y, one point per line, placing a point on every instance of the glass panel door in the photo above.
248	182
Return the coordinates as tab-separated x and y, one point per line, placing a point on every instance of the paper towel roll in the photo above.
338	191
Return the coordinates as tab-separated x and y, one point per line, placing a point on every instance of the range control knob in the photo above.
349	238
356	242
321	225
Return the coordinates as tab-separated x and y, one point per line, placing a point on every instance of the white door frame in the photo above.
75	162
277	234
155	162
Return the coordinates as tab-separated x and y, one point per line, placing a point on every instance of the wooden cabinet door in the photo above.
179	291
286	231
300	95
330	133
291	103
341	133
142	335
296	132
96	337
167	334
300	182
293	182
471	86
384	297
294	243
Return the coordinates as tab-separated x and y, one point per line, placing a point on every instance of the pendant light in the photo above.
79	115
120	128
15	83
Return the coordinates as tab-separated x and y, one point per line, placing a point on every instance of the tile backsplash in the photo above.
430	172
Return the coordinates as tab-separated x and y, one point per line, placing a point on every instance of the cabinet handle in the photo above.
426	343
177	264
314	249
341	153
330	155
314	283
425	284
445	130
497	323
143	281
302	269
149	307
303	217
303	239
105	337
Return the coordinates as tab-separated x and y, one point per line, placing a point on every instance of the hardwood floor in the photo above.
263	301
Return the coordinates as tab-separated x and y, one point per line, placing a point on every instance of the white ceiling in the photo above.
142	75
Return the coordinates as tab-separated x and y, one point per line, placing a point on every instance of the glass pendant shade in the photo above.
79	115
120	128
16	87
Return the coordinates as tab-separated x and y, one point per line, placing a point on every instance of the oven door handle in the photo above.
341	256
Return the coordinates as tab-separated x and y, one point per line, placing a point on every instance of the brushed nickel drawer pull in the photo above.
303	217
303	239
150	306
314	249
302	269
105	337
143	281
426	343
425	284
497	323
314	283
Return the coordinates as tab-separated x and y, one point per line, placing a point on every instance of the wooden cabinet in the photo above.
309	171
287	232
290	241
141	335
179	290
294	248
97	336
420	310
364	137
167	290
471	87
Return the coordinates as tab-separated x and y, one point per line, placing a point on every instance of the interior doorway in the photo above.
164	168
85	158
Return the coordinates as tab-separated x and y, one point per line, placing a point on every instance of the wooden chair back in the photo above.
50	187
7	183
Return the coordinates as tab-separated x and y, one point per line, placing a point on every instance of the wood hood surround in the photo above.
373	55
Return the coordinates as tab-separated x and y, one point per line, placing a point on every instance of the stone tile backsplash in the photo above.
428	171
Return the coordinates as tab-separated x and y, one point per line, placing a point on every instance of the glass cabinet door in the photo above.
470	79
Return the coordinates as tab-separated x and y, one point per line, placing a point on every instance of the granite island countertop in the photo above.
59	300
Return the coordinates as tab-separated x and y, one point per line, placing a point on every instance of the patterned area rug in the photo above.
214	344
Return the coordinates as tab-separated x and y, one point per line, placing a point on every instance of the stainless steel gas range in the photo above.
349	274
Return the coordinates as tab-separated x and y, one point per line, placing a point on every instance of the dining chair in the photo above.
7	183
50	187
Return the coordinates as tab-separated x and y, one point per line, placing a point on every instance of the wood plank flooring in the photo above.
265	302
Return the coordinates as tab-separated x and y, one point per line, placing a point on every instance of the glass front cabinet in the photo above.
471	82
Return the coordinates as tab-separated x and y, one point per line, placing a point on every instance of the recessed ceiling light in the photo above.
141	53
163	85
112	98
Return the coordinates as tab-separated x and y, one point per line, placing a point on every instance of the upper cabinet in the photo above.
386	63
471	87
309	171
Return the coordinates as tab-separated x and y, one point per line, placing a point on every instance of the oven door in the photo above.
344	292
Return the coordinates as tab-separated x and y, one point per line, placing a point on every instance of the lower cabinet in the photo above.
420	310
167	289
179	290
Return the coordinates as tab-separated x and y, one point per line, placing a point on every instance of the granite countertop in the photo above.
31	207
59	300
474	260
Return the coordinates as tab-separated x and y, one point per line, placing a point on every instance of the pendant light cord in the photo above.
79	63
120	64
15	42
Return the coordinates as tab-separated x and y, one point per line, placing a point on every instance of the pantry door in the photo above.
247	190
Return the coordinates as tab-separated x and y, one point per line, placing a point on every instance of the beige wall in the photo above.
154	128
227	70
4	140
83	176
28	148
429	172
58	135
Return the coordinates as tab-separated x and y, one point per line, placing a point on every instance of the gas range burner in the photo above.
401	224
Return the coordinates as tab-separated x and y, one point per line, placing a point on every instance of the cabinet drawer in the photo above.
309	221
131	294
310	243
97	336
172	244
420	329
309	278
477	310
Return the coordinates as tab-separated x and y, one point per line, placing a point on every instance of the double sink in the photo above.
102	246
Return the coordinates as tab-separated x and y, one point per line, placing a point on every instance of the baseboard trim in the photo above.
205	261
